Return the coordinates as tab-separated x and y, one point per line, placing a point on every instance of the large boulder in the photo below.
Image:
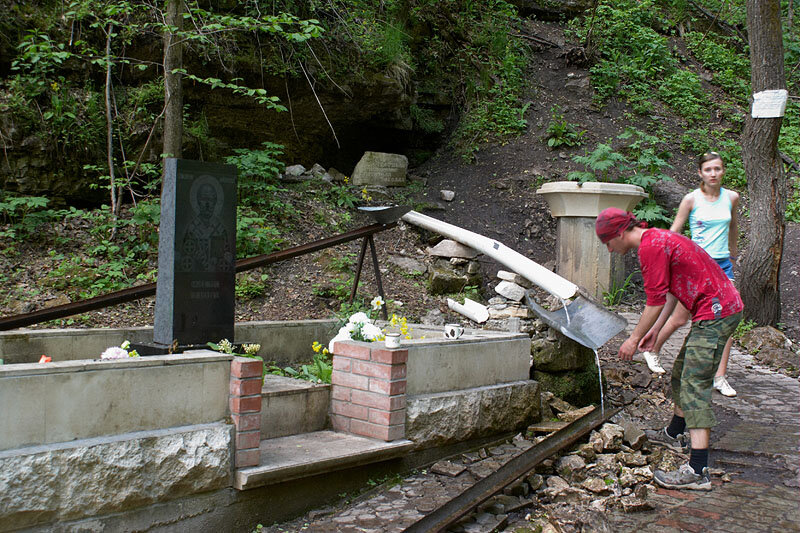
380	168
445	278
772	348
560	354
578	388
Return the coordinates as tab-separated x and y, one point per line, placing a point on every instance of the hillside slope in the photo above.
494	196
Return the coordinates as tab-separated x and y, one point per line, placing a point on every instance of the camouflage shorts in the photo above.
695	366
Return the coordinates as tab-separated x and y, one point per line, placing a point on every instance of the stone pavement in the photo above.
756	443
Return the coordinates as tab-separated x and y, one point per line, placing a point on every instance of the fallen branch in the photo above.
789	161
535	39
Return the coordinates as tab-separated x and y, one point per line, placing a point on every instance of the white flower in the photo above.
114	353
341	336
359	318
371	332
377	303
251	349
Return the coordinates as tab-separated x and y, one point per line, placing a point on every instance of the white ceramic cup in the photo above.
392	340
453	331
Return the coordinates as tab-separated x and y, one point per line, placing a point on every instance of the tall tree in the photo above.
173	85
766	182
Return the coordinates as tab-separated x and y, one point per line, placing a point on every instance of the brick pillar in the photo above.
369	390
245	405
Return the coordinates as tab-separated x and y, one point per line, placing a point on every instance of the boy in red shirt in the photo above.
676	269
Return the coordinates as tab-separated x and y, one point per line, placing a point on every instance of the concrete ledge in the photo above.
283	341
310	454
290	406
83	365
91	477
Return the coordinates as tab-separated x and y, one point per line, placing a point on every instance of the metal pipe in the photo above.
534	272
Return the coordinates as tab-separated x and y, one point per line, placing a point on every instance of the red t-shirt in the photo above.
673	263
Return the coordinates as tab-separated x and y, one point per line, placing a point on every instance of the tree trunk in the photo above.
173	88
766	182
110	127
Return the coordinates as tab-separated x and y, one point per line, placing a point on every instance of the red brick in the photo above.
342	363
245	387
341	393
352	349
389	388
244	367
340	423
372	369
346	379
392	357
387	418
748	482
378	401
375	431
683	526
245	404
349	409
247	422
675	493
699	513
248	439
247	457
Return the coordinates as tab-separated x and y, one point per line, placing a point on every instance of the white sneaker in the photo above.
722	385
653	363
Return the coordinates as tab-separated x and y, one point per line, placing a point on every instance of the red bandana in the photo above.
612	222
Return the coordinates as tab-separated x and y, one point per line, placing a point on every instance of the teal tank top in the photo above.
709	223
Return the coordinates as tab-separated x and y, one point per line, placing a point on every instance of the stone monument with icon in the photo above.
195	295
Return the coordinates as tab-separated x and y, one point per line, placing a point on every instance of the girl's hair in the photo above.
706	157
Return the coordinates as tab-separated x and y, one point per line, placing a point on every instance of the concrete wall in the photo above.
282	341
290	406
478	358
69	400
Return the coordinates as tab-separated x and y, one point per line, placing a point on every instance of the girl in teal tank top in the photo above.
713	220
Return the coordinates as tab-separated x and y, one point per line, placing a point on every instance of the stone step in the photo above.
310	454
291	406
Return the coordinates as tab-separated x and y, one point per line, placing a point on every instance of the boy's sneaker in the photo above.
679	444
653	363
684	478
724	388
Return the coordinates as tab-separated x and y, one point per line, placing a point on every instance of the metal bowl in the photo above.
386	214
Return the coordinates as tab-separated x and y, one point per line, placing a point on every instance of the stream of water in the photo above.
600	377
566	311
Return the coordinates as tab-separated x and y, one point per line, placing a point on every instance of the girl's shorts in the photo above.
726	265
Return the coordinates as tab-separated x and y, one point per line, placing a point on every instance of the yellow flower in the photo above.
325	351
316	346
54	85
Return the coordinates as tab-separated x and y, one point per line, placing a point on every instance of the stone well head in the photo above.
580	256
